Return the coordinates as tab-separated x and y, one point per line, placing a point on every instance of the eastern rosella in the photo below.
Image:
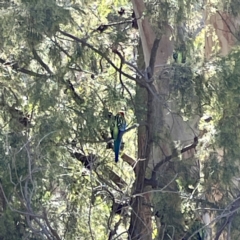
117	129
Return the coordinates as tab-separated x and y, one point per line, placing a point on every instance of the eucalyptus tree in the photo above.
179	93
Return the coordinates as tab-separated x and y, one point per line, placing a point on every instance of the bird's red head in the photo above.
122	113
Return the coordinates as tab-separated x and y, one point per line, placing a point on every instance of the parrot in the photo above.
175	56
118	128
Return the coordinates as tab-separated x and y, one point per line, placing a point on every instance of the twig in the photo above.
16	67
15	210
234	206
214	220
40	61
54	233
120	75
45	137
126	158
152	180
158	190
97	51
132	127
229	28
114	231
135	68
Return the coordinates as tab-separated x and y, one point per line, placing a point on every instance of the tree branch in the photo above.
229	28
16	67
152	181
97	51
234	210
120	74
153	55
233	206
40	61
126	158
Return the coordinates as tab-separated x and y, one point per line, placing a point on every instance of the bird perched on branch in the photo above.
175	56
117	128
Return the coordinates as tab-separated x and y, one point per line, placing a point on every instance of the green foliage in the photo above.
222	165
11	226
55	95
231	6
57	85
188	90
168	216
227	102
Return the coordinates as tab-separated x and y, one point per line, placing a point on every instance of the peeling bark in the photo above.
161	124
225	27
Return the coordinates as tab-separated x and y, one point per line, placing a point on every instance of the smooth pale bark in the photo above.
224	27
160	121
222	33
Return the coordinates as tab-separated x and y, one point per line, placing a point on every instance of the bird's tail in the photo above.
117	145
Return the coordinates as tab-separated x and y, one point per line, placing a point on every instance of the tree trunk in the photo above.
222	31
155	169
155	140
